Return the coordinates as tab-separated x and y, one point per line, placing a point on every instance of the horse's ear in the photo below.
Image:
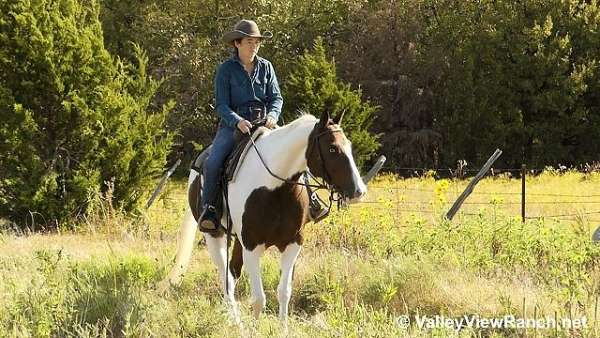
338	120
325	117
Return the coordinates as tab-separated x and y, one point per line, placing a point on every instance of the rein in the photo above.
320	185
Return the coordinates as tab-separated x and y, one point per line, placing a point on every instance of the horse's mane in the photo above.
302	119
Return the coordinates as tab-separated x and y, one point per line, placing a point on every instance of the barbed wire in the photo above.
495	170
432	190
482	203
398	202
182	199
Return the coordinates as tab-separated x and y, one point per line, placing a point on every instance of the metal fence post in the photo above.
459	201
523	176
162	183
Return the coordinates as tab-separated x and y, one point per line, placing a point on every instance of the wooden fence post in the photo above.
374	170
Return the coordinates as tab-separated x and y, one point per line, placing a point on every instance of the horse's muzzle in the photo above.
357	195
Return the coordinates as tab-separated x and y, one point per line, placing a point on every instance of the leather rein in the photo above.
320	185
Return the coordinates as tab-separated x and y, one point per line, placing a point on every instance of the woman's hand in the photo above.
270	123
244	126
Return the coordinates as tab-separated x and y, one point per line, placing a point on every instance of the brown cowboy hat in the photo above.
245	29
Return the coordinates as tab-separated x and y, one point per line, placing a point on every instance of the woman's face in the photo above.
248	48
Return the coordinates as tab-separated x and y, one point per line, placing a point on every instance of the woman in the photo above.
246	88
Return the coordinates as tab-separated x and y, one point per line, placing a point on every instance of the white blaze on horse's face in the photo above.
360	189
330	157
348	179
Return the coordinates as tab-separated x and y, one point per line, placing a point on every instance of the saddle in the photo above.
232	163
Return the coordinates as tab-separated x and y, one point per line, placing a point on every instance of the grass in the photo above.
359	271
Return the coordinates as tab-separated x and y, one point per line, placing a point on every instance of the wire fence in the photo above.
400	198
465	173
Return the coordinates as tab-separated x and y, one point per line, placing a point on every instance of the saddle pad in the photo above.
198	164
237	156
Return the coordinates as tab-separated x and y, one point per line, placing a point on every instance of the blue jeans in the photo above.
222	145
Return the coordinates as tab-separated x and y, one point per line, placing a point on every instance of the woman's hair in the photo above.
234	50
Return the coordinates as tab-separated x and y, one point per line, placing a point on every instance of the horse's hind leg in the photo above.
217	248
236	262
284	290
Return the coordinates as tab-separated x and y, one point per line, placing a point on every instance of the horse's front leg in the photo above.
252	266
284	290
217	248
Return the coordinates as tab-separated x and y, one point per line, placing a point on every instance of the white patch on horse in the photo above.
284	151
258	299
285	158
362	188
284	290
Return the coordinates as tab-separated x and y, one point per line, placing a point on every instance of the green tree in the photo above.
74	121
454	79
518	76
381	54
313	86
183	39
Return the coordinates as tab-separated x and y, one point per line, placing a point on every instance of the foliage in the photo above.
548	251
314	87
74	121
183	41
519	76
454	80
381	52
69	298
184	44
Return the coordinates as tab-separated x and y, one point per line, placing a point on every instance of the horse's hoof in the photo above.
163	287
256	310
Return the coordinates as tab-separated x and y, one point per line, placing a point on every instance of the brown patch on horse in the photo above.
275	217
236	262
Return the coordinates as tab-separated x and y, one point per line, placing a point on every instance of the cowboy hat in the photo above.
245	29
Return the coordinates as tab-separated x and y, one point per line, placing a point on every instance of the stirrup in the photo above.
207	222
317	211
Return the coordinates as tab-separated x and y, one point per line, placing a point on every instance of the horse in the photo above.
269	206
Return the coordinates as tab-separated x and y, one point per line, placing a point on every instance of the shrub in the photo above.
314	87
73	119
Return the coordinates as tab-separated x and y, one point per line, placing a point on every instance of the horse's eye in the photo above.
332	150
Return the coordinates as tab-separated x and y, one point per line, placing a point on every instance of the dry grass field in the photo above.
361	270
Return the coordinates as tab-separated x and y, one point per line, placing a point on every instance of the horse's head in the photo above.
329	156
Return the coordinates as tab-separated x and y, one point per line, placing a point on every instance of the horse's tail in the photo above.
185	245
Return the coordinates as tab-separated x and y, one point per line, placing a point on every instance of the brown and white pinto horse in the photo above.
266	211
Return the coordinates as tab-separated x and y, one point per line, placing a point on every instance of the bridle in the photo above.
321	159
320	185
324	184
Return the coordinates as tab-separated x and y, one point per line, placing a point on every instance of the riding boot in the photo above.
208	222
209	218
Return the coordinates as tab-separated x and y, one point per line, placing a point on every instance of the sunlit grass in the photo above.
360	269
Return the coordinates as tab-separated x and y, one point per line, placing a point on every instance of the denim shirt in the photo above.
236	90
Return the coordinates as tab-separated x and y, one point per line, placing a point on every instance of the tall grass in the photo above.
360	270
